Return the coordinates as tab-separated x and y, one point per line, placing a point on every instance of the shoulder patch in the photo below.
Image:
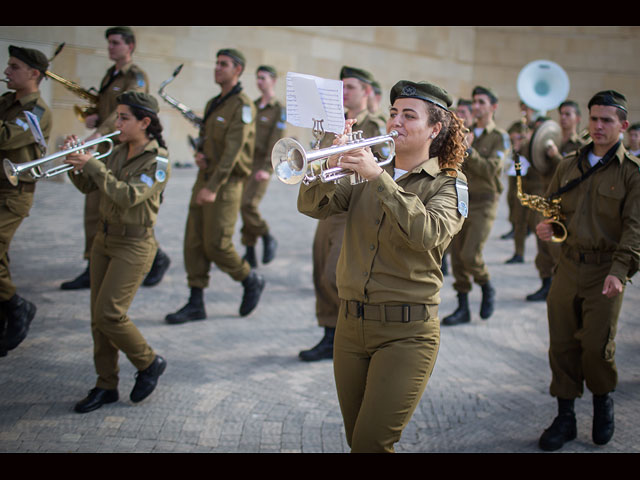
462	189
247	115
161	168
140	80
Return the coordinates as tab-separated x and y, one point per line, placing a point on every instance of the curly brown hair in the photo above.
449	145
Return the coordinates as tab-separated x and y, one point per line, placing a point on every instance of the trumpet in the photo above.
292	164
548	208
186	111
13	171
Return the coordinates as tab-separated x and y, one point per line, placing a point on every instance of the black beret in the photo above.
634	126
233	53
428	92
34	58
350	72
609	98
267	68
140	100
119	31
485	91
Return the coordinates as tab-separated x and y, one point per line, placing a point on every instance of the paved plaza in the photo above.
236	384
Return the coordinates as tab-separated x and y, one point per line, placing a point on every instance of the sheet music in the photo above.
312	98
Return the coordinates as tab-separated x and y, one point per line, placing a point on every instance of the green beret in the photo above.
634	126
463	102
34	58
485	91
140	100
428	92
233	53
376	87
267	68
350	72
609	98
124	31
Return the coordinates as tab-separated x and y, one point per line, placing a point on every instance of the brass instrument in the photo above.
13	171
548	208
91	95
186	111
292	164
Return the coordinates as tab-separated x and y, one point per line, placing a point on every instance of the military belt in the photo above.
589	257
388	313
131	231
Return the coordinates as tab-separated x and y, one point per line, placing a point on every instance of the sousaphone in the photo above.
543	85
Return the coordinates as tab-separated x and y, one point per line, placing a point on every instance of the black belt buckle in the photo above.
406	317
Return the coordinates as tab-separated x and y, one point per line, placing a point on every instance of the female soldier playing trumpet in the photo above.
398	225
131	181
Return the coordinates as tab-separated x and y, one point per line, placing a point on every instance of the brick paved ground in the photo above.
236	385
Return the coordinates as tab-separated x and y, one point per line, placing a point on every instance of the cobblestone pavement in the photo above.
236	384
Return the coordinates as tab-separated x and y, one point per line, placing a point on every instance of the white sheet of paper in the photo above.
312	98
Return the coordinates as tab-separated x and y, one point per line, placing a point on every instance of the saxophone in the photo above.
186	111
90	95
549	208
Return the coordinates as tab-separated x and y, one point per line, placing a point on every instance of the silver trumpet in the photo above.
292	164
13	171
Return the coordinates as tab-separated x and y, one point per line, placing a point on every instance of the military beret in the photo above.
267	68
463	102
119	31
376	87
485	91
428	92
34	58
233	53
350	72
140	100
609	98
634	126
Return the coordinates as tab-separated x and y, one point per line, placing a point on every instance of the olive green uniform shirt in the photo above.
227	142
396	232
270	126
131	195
602	214
16	140
130	77
485	162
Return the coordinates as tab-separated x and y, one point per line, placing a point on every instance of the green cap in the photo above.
34	58
350	72
267	68
233	53
609	98
485	91
426	91
140	100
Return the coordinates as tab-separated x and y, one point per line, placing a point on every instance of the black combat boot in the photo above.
160	266
461	314
193	310
488	298
18	314
250	256
562	430
80	282
515	259
322	350
603	425
270	246
253	286
147	379
541	294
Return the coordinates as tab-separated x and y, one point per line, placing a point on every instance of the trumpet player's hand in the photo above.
201	161
341	140
262	176
612	286
361	161
544	230
205	196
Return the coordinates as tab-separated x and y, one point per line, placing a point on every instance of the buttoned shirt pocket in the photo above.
609	199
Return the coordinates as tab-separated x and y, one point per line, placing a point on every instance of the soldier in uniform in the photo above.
25	69
122	76
374	101
329	231
518	135
224	159
483	167
130	181
399	223
270	125
599	188
548	253
633	135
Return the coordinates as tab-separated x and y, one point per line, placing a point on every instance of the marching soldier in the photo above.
224	159
599	189
483	168
270	125
26	69
122	76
